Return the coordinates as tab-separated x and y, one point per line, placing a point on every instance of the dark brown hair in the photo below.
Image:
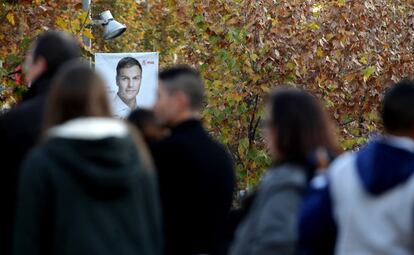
398	108
77	91
301	125
56	47
126	63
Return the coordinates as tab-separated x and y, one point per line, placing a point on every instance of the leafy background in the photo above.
346	52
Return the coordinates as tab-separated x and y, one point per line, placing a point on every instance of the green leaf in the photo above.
244	143
199	19
368	72
341	2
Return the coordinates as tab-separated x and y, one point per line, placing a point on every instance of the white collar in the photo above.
401	142
119	103
90	128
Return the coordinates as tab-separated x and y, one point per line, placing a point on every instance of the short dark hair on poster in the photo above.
185	79
398	107
127	62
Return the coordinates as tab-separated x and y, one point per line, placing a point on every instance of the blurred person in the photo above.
196	175
128	81
147	123
296	127
368	196
87	188
20	128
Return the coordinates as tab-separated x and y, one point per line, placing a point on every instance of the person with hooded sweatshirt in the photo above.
368	196
20	128
88	187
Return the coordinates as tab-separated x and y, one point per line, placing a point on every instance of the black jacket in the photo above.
196	181
19	130
87	197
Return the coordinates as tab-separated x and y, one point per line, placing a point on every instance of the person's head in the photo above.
147	123
128	78
77	91
180	94
49	52
398	109
297	126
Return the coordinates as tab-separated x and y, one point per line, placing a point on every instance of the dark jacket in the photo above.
270	225
19	131
87	196
196	179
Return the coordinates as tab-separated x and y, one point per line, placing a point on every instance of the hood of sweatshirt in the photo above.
385	163
96	151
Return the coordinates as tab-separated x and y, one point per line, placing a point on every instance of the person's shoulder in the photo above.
168	146
37	154
342	163
285	176
25	109
36	161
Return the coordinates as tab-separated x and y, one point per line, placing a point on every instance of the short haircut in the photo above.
126	63
398	107
187	80
56	48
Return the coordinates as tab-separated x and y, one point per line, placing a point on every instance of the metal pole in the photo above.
86	5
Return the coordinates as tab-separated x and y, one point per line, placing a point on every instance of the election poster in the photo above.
131	80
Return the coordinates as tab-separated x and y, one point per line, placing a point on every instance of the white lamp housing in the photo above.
111	27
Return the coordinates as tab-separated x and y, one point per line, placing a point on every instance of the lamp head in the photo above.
111	27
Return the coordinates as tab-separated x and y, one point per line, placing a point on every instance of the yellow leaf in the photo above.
329	36
316	8
87	33
313	26
264	88
254	57
10	18
363	60
319	52
256	77
61	23
291	65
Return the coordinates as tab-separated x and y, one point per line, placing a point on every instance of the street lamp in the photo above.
111	27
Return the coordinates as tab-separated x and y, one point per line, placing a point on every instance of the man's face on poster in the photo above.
128	81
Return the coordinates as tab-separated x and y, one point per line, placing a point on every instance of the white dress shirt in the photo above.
119	108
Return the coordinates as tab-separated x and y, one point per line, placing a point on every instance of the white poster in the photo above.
131	80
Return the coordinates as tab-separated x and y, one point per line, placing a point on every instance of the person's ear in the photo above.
40	64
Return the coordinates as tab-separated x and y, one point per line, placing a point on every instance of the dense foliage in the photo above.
346	52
